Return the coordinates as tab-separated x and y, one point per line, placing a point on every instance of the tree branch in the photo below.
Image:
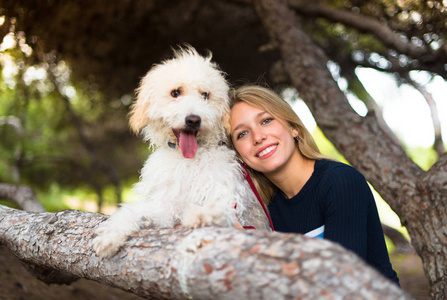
439	143
22	195
211	263
370	25
401	245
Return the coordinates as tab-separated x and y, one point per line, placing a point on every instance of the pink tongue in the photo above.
188	144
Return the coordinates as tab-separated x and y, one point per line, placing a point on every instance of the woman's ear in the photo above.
138	115
295	133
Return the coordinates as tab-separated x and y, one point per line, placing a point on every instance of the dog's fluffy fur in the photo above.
192	178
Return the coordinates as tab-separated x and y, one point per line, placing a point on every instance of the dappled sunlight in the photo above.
88	205
84	200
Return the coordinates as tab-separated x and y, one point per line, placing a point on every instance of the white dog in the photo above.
192	178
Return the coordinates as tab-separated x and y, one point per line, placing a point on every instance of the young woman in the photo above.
305	191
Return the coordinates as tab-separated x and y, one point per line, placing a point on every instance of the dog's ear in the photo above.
138	115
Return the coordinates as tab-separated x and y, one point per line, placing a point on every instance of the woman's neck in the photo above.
293	176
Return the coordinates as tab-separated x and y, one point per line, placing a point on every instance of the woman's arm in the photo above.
347	202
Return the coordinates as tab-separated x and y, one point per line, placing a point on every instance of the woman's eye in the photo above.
241	135
266	121
175	93
205	96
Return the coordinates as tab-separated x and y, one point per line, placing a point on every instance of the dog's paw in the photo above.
197	220
107	242
196	217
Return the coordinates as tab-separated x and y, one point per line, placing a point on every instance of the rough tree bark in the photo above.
418	197
207	263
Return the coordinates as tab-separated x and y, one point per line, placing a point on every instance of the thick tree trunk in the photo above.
419	198
207	263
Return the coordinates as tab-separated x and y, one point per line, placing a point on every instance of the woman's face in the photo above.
262	141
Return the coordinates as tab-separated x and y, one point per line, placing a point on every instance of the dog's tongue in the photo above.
188	143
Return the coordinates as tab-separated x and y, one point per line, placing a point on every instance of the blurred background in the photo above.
69	70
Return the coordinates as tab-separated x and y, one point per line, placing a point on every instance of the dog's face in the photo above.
182	102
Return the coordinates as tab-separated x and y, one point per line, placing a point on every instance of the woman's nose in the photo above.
258	137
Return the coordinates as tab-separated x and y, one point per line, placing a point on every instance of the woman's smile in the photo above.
266	152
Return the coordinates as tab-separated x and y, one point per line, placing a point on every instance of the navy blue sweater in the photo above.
336	203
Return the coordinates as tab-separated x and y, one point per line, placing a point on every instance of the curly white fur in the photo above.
174	190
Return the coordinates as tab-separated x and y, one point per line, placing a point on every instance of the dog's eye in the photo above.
205	96
175	93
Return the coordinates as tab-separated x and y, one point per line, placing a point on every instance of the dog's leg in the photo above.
127	220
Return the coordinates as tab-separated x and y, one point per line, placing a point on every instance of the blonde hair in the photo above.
272	103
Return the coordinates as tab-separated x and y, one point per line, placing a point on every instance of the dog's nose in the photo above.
193	122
